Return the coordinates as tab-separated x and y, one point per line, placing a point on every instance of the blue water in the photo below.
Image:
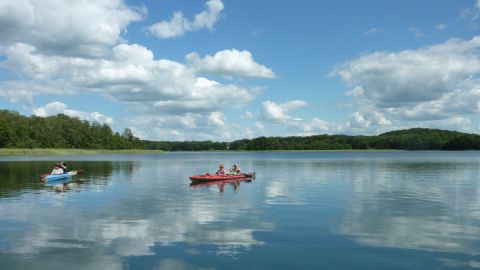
393	210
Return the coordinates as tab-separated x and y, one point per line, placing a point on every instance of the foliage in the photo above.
410	139
61	131
186	145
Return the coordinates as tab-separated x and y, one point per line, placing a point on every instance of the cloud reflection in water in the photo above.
425	206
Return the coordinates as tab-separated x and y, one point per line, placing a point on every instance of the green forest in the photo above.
410	139
62	131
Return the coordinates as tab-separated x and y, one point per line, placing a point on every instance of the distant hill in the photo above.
426	139
408	139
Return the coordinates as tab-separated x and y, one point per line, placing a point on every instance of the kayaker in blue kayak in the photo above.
63	165
57	169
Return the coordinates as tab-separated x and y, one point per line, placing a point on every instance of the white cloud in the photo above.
230	63
176	27
272	111
471	13
249	114
131	74
23	59
216	119
293	105
187	126
357	120
372	31
259	126
50	109
179	25
367	119
355	92
274	116
80	28
57	107
441	27
417	32
317	126
453	123
257	32
23	92
434	86
457	102
408	77
208	18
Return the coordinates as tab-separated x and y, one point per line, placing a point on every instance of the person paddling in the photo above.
221	170
235	169
63	166
57	169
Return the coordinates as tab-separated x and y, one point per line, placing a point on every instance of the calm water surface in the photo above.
399	210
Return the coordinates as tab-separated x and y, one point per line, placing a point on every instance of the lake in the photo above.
304	210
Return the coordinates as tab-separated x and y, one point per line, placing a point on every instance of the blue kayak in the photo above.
53	177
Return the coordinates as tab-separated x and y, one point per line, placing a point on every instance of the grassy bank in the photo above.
297	151
321	151
338	150
58	152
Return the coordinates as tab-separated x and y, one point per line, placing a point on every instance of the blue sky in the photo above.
225	70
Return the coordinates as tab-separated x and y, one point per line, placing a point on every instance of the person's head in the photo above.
221	165
235	166
57	165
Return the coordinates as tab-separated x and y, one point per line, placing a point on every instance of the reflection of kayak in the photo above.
53	183
221	177
219	182
52	177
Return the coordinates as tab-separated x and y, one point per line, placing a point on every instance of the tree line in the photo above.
186	146
61	131
409	139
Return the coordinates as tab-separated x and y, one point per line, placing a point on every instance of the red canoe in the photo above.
221	177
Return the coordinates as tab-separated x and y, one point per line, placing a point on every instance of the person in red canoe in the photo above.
235	169
221	169
57	169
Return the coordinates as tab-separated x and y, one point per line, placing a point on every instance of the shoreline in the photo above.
298	151
65	152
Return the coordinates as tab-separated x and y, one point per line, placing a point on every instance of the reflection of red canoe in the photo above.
195	184
221	177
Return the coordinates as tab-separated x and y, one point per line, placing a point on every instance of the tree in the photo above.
60	131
